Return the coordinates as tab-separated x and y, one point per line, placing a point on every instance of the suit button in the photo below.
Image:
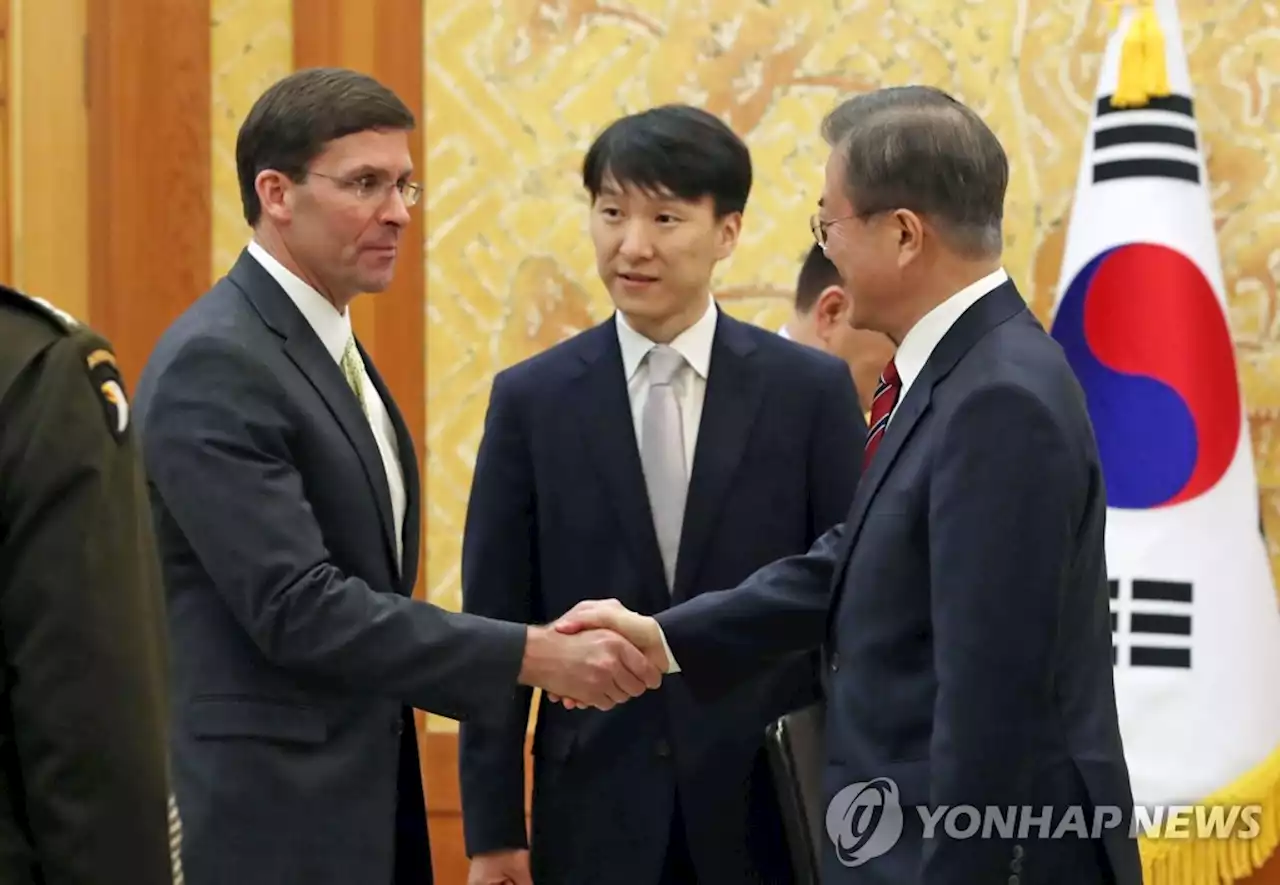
834	663
662	749
397	727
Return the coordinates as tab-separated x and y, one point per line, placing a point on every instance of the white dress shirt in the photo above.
911	357
920	341
334	330
694	344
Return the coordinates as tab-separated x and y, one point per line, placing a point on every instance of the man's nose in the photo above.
636	241
394	208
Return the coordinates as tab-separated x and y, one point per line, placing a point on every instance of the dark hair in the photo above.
816	275
917	148
674	148
290	124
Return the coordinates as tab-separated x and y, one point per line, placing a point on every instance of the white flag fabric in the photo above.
1141	315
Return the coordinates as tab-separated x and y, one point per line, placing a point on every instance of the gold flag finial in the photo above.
1113	14
1144	70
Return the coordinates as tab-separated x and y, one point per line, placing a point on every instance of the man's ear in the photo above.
831	310
908	229
730	229
275	195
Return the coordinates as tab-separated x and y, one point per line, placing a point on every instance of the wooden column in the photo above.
6	155
46	238
150	211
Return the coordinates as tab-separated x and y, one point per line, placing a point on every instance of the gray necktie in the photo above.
662	454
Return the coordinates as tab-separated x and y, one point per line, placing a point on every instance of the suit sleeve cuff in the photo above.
672	666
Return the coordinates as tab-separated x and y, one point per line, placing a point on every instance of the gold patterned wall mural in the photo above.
516	91
251	46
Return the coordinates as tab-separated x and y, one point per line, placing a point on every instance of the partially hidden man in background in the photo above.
84	785
963	603
823	318
286	497
668	451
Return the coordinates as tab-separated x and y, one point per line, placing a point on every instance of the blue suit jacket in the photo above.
559	513
964	608
296	648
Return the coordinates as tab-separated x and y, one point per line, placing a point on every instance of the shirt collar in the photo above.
918	345
694	343
332	328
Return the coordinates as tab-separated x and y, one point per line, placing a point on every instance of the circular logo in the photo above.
1148	340
864	820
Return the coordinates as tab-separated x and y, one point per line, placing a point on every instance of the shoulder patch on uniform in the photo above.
59	317
110	386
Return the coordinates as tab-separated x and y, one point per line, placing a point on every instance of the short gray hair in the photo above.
917	148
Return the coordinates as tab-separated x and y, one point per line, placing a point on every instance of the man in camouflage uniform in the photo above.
84	793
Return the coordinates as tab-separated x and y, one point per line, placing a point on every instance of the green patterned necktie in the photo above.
353	371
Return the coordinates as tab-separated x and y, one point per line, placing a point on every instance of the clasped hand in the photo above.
598	654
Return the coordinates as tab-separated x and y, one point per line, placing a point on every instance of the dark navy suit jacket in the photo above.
963	605
296	647
559	513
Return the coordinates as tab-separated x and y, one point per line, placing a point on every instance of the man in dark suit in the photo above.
667	451
963	603
285	491
821	319
84	786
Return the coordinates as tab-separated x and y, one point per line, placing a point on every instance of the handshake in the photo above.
598	654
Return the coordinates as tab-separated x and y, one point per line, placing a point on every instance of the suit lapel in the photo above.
733	393
908	414
310	356
604	414
303	347
994	308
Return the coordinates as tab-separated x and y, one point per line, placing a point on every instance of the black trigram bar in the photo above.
1178	104
1162	591
1146	168
1155	623
1149	656
1144	133
1164	625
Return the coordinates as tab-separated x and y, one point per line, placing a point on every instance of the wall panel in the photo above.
149	184
251	47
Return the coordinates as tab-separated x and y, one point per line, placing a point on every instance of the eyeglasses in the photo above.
820	227
373	188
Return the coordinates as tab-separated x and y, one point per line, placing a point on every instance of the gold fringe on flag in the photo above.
1144	72
1214	860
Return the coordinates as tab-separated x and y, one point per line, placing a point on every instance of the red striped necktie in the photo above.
881	407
